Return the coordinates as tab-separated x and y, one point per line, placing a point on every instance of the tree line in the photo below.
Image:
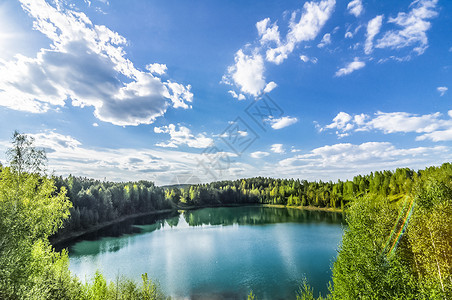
296	192
95	202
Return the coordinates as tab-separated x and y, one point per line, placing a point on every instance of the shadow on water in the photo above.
132	226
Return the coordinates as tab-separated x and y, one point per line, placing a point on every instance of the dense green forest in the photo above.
97	201
397	245
297	192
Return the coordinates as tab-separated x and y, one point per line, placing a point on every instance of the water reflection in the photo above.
106	239
258	216
217	253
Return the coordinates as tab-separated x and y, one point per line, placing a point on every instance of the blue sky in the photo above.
169	90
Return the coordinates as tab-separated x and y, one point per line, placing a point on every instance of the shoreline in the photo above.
312	208
77	234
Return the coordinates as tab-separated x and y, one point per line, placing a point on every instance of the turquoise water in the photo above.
217	253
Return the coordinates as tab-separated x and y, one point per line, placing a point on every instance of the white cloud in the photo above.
277	148
442	90
432	126
268	33
351	67
405	122
414	26
270	87
157	68
182	136
355	7
259	154
84	63
341	121
237	96
66	155
348	35
311	21
345	160
342	161
54	141
373	28
248	73
437	136
282	122
326	40
95	125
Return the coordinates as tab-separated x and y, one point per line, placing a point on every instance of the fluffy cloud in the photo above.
259	154
311	21
277	148
236	96
282	122
248	73
373	28
84	63
344	160
268	33
270	87
355	7
341	121
442	90
431	126
413	27
182	136
437	136
156	68
67	155
350	67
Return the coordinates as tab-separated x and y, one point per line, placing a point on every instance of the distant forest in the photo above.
96	202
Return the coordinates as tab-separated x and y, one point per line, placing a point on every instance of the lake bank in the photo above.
76	234
313	208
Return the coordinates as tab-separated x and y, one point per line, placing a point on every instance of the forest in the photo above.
95	202
397	245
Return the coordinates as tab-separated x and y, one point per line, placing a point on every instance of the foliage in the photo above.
23	157
306	292
32	209
399	250
122	288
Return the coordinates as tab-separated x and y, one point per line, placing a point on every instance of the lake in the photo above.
217	253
